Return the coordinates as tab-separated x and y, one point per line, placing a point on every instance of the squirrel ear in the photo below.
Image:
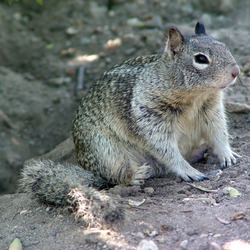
200	29
175	41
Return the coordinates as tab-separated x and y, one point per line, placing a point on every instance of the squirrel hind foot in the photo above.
141	175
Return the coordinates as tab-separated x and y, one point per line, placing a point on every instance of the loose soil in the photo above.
44	53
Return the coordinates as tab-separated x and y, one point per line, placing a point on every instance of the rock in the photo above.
153	233
71	31
139	235
148	190
183	244
147	245
135	22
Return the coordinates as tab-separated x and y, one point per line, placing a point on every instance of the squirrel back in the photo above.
141	119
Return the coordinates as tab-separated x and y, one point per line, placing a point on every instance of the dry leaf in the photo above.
16	245
238	216
233	192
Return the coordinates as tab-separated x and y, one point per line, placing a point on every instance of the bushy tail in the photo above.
70	186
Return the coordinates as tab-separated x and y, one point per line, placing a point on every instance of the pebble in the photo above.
216	235
147	245
149	190
153	233
112	44
24	212
71	31
183	244
135	22
215	172
139	235
48	209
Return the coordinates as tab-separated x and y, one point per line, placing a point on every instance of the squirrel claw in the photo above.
142	174
200	178
229	160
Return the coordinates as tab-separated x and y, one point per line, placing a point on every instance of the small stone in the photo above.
149	190
48	209
24	212
147	245
216	235
135	22
140	235
215	172
71	31
112	44
183	244
153	233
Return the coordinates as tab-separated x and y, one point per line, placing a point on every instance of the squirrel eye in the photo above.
202	59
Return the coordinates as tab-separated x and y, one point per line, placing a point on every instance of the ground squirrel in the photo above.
142	119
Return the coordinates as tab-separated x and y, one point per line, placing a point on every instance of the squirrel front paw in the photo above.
187	173
227	159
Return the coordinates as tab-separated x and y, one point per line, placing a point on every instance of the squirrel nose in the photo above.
235	70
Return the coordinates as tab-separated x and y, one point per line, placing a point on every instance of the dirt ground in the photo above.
45	52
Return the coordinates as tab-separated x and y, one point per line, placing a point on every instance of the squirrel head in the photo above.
200	60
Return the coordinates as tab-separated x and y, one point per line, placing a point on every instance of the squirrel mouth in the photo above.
223	86
234	73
